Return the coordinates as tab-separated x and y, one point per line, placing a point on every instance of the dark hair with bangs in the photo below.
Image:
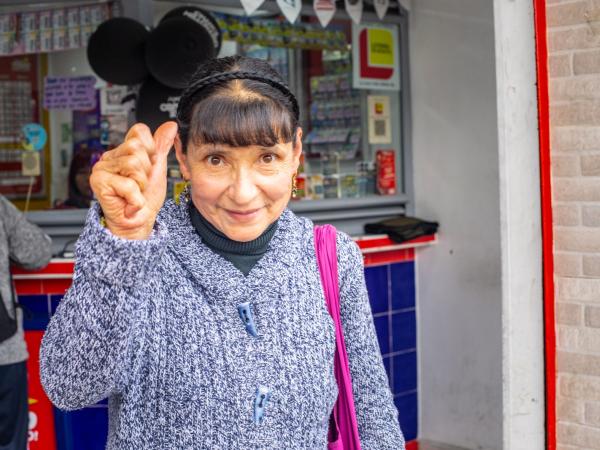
256	109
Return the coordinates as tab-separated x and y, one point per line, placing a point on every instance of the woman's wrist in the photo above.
137	234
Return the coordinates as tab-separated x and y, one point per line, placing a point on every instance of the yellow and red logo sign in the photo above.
375	57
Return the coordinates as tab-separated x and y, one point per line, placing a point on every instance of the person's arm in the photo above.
92	339
28	246
376	414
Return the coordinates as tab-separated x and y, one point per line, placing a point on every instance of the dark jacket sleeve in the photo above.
87	347
376	413
28	246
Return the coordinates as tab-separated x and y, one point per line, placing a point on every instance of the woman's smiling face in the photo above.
240	190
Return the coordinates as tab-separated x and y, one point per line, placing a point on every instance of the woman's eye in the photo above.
268	158
214	160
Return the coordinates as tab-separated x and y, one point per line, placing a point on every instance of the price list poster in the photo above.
20	104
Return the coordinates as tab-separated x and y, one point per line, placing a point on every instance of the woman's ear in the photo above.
297	148
182	159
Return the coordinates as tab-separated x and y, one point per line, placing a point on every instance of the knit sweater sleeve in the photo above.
85	351
376	414
28	246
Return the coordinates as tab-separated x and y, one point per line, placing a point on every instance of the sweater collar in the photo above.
218	241
266	277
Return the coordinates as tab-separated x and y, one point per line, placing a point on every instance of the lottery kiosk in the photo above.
76	75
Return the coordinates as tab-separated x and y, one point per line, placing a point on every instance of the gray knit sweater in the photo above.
156	326
25	245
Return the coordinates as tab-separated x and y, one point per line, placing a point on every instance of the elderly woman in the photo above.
204	322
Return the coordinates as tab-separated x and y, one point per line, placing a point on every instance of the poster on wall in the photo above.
375	57
72	93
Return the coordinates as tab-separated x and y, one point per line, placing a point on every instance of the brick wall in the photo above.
574	46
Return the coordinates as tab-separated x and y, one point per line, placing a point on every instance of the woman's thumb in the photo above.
164	137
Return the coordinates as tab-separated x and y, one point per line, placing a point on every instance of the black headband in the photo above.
195	87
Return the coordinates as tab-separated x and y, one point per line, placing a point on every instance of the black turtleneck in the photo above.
243	255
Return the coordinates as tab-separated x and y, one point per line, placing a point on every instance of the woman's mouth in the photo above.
243	215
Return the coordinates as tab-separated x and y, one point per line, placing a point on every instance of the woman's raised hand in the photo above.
130	182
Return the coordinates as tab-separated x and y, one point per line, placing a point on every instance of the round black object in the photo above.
175	49
201	17
156	103
116	51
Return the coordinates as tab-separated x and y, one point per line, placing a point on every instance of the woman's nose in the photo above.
243	188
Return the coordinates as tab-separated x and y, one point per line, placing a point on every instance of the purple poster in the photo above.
75	93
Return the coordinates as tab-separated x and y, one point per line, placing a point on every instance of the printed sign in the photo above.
325	10
375	57
354	8
75	93
380	131
290	9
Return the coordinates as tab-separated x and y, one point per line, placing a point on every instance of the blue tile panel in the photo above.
82	429
404	331
402	276
392	296
36	311
404	372
377	286
383	333
407	405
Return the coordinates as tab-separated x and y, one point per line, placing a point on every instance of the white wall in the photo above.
475	160
455	157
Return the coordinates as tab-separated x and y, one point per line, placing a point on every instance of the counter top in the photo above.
376	249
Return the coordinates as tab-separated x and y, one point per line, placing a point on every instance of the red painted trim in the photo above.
55	267
390	257
367	242
547	235
412	445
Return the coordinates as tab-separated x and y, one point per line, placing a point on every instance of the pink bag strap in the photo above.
344	413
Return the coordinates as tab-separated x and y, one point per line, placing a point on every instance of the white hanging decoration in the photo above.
354	9
325	10
381	7
406	4
290	9
251	5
